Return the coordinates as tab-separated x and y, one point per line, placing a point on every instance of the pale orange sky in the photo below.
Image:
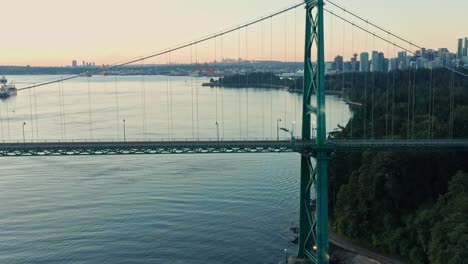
53	32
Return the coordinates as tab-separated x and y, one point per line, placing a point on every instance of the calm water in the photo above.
231	208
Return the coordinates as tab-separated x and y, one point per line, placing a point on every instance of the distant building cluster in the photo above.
83	64
422	59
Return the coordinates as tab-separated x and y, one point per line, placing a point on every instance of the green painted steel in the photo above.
313	222
322	155
305	225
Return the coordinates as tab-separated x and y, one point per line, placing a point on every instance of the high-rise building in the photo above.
402	60
375	63
338	63
74	63
465	51
392	64
382	62
460	50
354	63
444	56
430	54
347	66
364	64
424	53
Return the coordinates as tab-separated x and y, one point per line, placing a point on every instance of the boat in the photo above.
6	90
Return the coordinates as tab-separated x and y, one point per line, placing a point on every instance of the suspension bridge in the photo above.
182	117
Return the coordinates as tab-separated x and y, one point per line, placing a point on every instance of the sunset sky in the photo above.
54	32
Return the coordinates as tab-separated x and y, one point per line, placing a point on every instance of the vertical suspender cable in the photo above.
365	89
35	110
285	61
64	114
8	120
240	85
343	76
31	114
247	78
295	61
216	88
167	101
170	97
117	107
143	100
90	115
222	91
433	103
373	89
429	105
191	86
354	66
263	90
271	78
393	96
409	103
1	121
387	73
414	103
452	104
196	94
330	87
61	110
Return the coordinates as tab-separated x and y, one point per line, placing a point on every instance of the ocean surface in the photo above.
210	208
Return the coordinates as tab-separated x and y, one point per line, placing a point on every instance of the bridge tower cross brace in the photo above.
313	223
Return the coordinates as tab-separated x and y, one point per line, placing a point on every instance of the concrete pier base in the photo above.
296	260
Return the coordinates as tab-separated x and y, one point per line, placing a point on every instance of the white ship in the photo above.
6	90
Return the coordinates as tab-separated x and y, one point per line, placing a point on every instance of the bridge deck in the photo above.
257	146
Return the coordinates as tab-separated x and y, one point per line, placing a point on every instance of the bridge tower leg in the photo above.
313	223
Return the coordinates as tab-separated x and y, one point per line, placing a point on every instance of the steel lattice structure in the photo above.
313	222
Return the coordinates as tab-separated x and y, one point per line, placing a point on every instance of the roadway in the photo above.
232	146
359	250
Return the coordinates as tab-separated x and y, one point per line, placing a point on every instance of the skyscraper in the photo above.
338	63
460	51
375	63
402	60
444	56
465	51
364	65
382	62
354	63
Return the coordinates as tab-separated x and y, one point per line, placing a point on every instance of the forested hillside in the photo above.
414	205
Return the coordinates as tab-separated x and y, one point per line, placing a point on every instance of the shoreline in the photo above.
217	84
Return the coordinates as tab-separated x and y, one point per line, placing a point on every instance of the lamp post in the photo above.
277	127
293	128
24	137
125	136
217	130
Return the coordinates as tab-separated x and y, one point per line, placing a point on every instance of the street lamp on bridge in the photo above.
125	136
291	132
217	130
24	137
277	127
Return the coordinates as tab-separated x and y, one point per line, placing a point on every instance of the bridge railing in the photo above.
97	140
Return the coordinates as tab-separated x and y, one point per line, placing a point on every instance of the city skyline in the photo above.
45	36
423	58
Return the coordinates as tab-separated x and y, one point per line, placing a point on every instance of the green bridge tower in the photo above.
313	224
